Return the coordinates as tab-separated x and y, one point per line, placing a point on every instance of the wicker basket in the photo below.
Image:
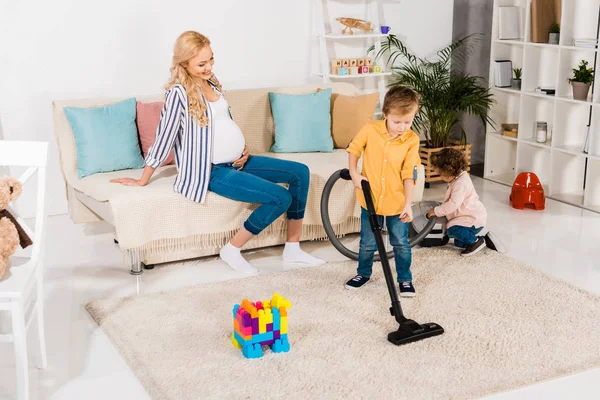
426	153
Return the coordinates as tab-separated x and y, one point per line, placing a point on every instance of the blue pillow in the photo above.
106	138
302	122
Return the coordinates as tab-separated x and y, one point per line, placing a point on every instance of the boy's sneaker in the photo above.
407	289
474	248
357	282
492	242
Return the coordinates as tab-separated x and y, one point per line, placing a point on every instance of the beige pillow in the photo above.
349	114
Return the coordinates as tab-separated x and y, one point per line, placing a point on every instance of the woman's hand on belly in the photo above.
240	162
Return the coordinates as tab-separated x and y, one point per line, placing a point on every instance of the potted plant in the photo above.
554	33
516	82
582	80
445	95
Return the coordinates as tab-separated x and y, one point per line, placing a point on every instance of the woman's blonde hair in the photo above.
187	46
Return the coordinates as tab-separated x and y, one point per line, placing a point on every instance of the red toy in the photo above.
527	191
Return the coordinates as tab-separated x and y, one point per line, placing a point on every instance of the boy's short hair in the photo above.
449	162
401	99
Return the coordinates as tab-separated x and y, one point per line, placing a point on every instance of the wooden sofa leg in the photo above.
136	263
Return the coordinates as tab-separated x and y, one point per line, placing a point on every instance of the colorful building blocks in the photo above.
263	323
346	66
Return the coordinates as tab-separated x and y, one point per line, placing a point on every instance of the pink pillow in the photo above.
147	119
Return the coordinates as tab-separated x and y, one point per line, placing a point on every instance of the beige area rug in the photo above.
507	325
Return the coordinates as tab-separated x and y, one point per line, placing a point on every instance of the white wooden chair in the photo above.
21	292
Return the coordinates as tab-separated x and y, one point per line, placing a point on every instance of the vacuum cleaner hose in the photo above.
345	174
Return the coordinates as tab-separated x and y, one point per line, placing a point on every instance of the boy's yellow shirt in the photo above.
386	163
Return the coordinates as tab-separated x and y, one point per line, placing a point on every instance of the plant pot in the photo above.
516	84
426	153
553	38
580	90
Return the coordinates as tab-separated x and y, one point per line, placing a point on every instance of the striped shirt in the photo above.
192	144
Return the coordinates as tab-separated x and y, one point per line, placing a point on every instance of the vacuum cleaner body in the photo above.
437	236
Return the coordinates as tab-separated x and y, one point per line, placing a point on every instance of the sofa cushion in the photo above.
349	114
147	120
302	122
106	138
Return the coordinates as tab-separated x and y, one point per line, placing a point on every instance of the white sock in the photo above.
293	253
232	256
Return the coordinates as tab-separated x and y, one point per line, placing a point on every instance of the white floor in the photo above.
83	265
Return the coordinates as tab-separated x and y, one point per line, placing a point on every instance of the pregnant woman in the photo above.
211	154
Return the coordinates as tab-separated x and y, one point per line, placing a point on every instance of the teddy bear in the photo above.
11	232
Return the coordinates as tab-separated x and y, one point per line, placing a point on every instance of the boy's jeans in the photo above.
398	232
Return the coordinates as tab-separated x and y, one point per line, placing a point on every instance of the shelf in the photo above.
575	198
507	41
570	99
546	145
543	45
505	179
573	149
532	93
594	208
372	74
578	48
507	90
593	157
339	36
503	137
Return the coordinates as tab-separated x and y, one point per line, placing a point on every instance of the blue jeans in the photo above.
398	232
463	236
258	182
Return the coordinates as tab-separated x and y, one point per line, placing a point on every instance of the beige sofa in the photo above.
154	224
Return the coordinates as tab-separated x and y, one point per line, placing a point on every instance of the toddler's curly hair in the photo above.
450	162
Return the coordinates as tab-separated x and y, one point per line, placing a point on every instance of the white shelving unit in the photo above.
567	174
328	38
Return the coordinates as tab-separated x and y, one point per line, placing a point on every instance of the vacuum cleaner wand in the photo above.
409	330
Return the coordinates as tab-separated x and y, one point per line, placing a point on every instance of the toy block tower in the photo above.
263	323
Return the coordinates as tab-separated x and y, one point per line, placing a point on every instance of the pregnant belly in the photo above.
228	143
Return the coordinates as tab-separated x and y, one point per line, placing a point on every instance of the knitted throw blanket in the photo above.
155	219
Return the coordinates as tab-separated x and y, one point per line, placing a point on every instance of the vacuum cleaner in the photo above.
408	330
422	231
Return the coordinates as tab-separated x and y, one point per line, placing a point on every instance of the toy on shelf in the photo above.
350	23
261	324
527	191
351	66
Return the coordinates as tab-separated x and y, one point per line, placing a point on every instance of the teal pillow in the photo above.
106	138
302	122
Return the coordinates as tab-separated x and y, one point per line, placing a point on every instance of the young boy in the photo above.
390	153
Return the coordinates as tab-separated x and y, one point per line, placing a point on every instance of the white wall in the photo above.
65	49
